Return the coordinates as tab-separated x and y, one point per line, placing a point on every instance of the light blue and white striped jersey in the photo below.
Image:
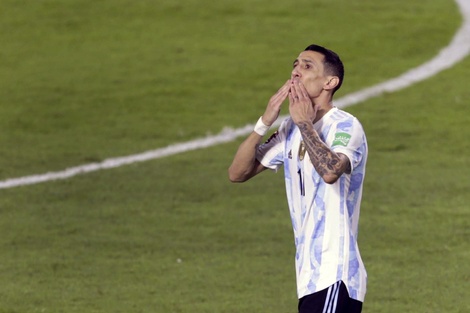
324	216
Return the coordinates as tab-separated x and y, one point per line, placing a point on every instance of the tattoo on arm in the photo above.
322	157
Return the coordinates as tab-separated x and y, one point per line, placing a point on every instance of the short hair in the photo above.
332	63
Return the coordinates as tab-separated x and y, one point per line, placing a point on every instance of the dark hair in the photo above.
332	63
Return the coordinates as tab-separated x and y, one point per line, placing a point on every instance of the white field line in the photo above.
456	51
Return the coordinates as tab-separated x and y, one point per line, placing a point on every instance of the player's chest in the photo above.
296	154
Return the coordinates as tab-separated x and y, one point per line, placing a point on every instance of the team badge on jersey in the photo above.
341	139
302	150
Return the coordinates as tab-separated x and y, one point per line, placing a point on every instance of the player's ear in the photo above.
331	83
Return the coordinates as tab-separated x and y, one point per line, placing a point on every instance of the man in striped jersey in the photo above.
324	152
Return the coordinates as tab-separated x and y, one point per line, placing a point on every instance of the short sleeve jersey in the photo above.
324	216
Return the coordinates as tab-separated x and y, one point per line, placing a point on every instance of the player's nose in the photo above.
295	73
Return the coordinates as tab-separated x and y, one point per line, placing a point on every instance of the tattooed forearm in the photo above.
325	161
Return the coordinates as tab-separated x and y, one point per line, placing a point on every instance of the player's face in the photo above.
309	69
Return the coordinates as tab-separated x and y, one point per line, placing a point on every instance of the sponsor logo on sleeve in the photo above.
341	139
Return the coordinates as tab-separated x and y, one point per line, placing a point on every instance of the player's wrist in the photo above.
261	128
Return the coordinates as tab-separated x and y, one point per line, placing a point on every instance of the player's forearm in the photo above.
326	162
243	166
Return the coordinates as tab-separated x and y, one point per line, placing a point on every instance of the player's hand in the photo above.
274	106
301	108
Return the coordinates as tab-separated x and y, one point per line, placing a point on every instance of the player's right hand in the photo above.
274	106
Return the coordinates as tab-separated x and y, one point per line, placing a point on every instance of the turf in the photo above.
86	80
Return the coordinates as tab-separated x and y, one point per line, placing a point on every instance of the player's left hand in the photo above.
301	108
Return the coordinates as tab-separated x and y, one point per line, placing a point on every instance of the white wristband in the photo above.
260	128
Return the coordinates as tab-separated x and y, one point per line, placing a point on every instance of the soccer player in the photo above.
324	152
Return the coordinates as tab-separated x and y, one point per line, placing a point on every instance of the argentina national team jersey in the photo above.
324	216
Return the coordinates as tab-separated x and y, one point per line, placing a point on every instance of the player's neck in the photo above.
324	108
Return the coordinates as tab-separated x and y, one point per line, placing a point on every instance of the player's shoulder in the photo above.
345	121
287	125
338	114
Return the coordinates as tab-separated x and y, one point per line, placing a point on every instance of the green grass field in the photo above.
82	81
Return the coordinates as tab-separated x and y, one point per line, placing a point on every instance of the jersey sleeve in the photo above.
349	139
271	153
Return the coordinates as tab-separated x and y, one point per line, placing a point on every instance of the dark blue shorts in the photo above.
334	299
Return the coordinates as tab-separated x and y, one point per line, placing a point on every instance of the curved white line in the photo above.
456	51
